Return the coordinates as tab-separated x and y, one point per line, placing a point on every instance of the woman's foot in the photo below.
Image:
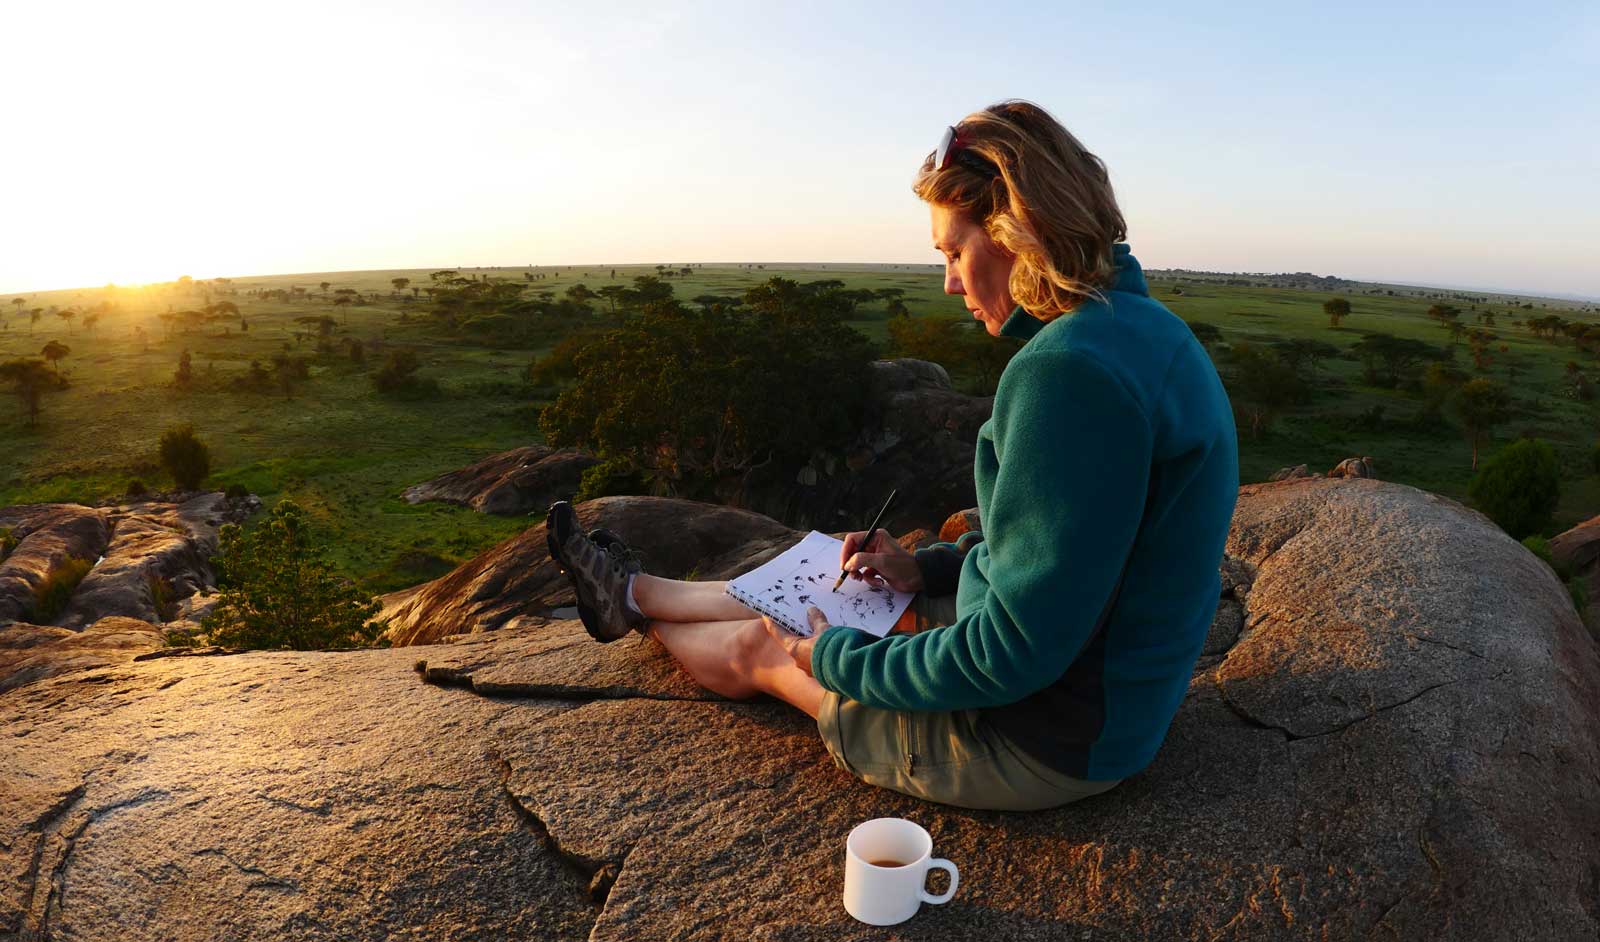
599	575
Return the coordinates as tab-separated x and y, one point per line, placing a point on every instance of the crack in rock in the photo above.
447	676
56	887
268	881
1446	644
598	875
1291	736
42	826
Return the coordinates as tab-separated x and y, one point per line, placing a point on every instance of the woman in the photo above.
1106	481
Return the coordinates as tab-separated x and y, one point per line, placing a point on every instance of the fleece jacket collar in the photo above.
1129	278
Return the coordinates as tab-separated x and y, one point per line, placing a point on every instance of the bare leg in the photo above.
738	660
672	600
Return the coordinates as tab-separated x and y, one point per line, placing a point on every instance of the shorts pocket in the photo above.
908	742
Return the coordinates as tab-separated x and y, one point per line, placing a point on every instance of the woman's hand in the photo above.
882	561
799	648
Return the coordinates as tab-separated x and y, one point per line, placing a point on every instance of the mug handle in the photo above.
955	878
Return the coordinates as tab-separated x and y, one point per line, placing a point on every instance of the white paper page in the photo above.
803	576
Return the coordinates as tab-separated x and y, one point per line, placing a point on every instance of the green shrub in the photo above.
702	402
611	476
1580	596
397	377
136	488
50	597
185	456
236	492
161	596
276	591
1540	547
8	542
1519	486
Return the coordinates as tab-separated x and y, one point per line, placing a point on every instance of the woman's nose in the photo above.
952	282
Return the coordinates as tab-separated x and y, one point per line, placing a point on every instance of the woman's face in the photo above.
975	267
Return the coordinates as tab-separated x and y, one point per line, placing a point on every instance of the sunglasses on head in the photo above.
953	148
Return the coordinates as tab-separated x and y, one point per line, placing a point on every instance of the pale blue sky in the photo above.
1449	143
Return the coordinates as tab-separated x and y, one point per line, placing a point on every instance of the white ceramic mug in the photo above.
884	895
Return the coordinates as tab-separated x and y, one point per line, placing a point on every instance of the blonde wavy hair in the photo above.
1049	203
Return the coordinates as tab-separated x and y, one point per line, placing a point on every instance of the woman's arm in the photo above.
940	563
1073	450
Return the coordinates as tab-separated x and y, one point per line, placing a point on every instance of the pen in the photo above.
868	541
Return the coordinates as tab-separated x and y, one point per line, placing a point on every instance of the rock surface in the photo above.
144	544
34	652
1398	741
518	481
1354	468
1577	552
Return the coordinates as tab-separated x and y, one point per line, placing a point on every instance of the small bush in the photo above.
277	592
1519	487
161	597
185	456
1540	547
612	476
1580	596
51	596
136	488
236	492
8	542
397	377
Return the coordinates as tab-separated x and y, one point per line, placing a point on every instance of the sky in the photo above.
1454	144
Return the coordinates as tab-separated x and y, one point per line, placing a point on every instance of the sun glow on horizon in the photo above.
189	137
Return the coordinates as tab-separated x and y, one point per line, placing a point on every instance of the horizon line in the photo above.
1552	296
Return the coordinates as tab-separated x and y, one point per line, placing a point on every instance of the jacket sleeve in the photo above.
1073	453
940	564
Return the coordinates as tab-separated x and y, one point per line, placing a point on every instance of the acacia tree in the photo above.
1384	357
1480	404
54	351
1261	386
67	315
399	284
1337	310
29	379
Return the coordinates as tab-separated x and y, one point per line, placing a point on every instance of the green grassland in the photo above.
345	453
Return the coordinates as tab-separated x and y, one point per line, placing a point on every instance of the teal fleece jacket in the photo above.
1111	445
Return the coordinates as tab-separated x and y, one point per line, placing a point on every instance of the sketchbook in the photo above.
803	575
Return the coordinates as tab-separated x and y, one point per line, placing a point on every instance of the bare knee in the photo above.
750	647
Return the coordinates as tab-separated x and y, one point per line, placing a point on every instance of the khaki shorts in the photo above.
953	758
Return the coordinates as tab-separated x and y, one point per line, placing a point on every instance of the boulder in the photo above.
1397	742
959	524
1577	552
917	438
517	580
1354	468
47	535
34	652
518	481
1284	474
148	556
